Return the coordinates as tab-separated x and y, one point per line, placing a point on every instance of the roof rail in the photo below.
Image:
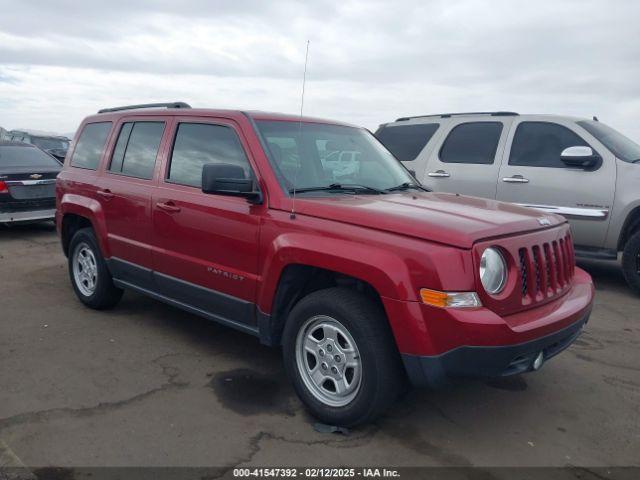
146	105
449	115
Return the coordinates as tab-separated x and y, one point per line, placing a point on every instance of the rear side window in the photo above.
406	141
539	144
197	144
474	142
136	149
90	145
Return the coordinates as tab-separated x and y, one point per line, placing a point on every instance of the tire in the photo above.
339	322
90	277
631	262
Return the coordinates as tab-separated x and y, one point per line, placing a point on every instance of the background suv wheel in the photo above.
89	274
341	358
631	262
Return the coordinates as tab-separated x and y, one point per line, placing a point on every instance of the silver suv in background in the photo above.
579	168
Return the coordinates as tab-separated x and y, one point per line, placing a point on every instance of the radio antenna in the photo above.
295	176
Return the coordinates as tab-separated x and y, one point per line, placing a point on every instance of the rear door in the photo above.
466	160
124	191
206	245
532	174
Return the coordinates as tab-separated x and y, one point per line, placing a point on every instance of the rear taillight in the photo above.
3	187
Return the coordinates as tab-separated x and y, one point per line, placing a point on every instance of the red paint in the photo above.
398	243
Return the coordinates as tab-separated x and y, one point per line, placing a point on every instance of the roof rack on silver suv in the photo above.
449	115
146	105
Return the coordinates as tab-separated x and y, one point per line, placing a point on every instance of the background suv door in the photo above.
532	174
206	252
467	161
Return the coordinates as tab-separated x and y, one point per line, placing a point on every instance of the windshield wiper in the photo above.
351	187
407	186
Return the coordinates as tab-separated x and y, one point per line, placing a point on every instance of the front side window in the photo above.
406	141
90	145
315	155
197	144
540	144
473	142
136	149
622	147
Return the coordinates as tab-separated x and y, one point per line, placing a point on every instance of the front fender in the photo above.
91	210
385	271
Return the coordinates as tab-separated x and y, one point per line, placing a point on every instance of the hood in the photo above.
439	217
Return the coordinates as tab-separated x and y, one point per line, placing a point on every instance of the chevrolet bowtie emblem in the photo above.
35	176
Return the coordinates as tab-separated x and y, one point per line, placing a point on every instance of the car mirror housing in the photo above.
581	157
228	179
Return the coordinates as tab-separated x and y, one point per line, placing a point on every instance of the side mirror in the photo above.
581	157
228	179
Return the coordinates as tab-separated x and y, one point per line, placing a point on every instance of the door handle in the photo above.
515	179
106	194
168	207
439	174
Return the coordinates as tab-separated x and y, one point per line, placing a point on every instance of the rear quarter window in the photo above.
406	141
90	145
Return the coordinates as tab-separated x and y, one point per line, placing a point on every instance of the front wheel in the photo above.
340	355
631	262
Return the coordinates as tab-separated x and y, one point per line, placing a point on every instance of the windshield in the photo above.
50	143
25	157
622	147
314	155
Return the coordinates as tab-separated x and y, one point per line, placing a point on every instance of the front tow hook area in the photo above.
538	361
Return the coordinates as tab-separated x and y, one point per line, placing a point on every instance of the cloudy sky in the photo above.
370	61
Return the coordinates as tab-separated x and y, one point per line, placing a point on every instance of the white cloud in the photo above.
370	62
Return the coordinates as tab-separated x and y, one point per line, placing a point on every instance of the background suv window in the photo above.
406	141
197	144
90	145
474	142
539	144
136	149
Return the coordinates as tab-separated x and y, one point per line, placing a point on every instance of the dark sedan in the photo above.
27	183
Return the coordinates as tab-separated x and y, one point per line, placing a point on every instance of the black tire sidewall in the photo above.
630	262
375	353
105	293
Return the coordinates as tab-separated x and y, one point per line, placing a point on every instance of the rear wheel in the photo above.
89	274
340	355
631	262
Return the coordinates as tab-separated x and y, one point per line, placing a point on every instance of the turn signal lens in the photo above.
449	299
3	187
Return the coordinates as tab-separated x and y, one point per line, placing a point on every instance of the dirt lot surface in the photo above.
148	385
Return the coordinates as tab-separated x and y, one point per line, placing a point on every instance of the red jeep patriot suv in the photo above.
309	235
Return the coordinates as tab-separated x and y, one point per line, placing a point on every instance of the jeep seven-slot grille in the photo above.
546	269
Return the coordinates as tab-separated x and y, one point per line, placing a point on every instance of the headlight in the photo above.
493	271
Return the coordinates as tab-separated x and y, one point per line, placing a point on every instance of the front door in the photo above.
532	174
206	246
468	160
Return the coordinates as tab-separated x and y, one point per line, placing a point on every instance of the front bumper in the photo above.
492	361
27	216
438	343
